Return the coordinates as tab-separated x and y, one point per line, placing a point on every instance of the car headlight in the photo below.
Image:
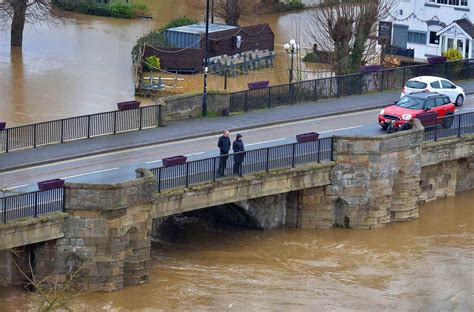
382	111
406	117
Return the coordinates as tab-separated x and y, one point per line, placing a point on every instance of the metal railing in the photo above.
81	127
359	83
259	160
450	126
31	204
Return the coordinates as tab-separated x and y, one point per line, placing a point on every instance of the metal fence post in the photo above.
245	100
159	180
293	154
6	143
315	89
62	130
64	198
34	135
269	98
115	122
292	86
187	174
382	81
436	133
267	160
459	125
4	210
332	148
319	150
403	78
36	204
88	126
141	118
214	173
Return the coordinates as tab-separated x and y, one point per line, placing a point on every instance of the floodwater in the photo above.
83	65
421	265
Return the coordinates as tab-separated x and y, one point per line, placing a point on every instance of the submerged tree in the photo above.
229	11
343	28
15	13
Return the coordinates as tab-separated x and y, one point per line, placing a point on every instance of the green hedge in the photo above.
117	8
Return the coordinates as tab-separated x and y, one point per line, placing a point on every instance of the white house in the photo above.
432	26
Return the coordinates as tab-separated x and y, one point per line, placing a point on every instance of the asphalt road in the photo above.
120	166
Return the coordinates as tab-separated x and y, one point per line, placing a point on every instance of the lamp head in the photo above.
292	42
286	46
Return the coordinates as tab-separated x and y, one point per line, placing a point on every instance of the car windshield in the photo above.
416	84
411	102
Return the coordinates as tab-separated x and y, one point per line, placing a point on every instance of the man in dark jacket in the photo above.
224	147
407	125
238	147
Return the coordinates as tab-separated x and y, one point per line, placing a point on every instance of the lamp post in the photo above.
206	62
292	48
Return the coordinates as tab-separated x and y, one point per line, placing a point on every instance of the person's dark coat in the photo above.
406	126
391	128
224	145
238	146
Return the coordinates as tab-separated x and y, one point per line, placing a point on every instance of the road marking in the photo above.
265	142
194	154
153	161
15	187
341	129
88	173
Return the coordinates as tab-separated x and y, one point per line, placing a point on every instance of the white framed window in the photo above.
462	3
417	37
433	38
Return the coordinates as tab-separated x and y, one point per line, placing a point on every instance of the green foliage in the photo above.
291	5
311	57
89	7
453	54
152	63
157	38
181	21
117	8
121	9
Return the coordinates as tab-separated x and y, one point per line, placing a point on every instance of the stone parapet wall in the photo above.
241	188
188	106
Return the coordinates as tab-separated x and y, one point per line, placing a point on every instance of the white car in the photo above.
435	84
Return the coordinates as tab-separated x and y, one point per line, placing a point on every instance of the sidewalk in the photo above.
198	127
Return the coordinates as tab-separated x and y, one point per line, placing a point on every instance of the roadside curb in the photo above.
194	136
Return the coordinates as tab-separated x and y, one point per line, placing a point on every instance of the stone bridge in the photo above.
106	229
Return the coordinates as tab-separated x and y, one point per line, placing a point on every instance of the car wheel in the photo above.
459	100
447	121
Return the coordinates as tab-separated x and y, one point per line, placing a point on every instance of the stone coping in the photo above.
144	176
52	216
448	141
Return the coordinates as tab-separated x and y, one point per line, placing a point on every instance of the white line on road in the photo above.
88	173
264	142
341	129
15	187
194	154
153	161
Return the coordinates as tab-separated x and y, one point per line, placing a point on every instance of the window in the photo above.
439	101
417	37
429	104
450	2
447	100
433	38
411	102
416	84
446	84
435	85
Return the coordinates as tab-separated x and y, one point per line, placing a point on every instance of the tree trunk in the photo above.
18	22
232	9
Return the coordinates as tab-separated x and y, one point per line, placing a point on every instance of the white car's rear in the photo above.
435	84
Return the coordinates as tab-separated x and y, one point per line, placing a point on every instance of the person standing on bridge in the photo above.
224	147
238	147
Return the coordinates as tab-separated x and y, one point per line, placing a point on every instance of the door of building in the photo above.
400	36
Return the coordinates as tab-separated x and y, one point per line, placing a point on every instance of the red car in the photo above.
426	106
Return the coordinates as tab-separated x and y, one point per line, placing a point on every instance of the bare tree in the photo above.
229	11
343	29
19	12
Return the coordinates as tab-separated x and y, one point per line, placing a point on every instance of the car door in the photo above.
429	116
440	108
449	89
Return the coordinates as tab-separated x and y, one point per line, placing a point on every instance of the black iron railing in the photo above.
81	127
31	204
450	126
360	83
259	160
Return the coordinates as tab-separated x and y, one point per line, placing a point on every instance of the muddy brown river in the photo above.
82	65
422	265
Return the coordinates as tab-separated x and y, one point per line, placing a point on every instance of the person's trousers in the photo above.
237	167
222	165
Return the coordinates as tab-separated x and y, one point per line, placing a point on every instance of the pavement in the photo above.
195	128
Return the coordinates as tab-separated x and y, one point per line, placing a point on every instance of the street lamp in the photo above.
206	63
291	48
